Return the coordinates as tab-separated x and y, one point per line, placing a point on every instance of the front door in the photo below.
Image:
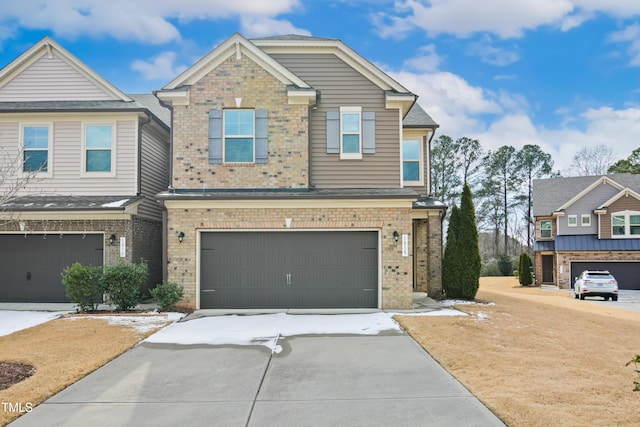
547	269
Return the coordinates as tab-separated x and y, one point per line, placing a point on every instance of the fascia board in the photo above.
41	49
623	193
602	180
224	51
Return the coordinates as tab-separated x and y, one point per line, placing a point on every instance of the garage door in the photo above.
626	273
31	266
327	269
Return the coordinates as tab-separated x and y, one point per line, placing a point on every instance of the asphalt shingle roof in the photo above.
551	193
74	203
418	118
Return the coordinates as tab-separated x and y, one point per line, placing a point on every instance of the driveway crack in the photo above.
264	375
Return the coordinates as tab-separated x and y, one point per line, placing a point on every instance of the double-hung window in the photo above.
98	144
545	229
411	162
351	132
239	136
35	146
625	224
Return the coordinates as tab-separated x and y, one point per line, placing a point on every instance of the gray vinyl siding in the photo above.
51	79
155	170
586	205
66	160
339	86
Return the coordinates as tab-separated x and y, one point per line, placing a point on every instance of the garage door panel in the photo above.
31	266
289	269
626	273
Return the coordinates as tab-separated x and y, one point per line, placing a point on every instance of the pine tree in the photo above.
468	245
451	259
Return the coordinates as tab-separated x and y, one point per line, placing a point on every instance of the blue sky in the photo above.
563	74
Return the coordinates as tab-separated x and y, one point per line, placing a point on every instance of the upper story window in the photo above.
98	146
412	162
36	147
572	220
239	136
545	229
585	220
625	224
350	133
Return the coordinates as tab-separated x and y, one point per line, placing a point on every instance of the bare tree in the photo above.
591	161
13	179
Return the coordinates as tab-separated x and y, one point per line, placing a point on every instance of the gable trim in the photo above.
47	46
602	180
236	45
624	193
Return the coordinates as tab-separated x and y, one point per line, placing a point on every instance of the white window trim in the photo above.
49	125
114	131
420	180
582	220
550	229
569	218
351	156
627	225
224	136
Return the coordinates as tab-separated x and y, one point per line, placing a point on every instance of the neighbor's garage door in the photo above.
311	269
31	266
626	273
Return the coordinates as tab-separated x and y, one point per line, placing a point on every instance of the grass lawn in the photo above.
538	357
62	351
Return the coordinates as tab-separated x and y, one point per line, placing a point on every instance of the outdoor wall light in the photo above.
180	237
396	236
112	239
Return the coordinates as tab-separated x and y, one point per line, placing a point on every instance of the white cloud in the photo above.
491	54
160	67
631	35
147	21
263	26
428	60
506	19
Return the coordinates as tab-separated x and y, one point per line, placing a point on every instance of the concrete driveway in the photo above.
314	380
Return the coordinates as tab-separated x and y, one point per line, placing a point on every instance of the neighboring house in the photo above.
100	156
300	179
590	222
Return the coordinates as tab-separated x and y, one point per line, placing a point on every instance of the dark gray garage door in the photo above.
308	269
626	273
30	267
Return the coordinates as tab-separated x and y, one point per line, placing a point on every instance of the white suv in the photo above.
596	283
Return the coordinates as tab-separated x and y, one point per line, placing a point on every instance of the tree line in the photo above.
501	182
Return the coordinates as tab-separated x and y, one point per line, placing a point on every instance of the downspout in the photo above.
165	225
140	126
311	108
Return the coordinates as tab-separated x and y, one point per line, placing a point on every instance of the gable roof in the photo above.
626	192
222	52
555	194
48	47
418	118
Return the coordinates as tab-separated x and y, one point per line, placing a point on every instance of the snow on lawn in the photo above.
265	329
12	321
141	324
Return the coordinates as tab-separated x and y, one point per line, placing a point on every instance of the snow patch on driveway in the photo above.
12	321
265	329
141	324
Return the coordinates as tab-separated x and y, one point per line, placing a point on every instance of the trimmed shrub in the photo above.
167	294
123	283
524	276
82	283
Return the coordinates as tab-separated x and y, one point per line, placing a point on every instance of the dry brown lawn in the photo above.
62	351
538	357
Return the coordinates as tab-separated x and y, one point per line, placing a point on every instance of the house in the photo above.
590	222
299	179
94	158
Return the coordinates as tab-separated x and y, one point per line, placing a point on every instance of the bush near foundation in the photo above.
82	283
167	294
123	283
